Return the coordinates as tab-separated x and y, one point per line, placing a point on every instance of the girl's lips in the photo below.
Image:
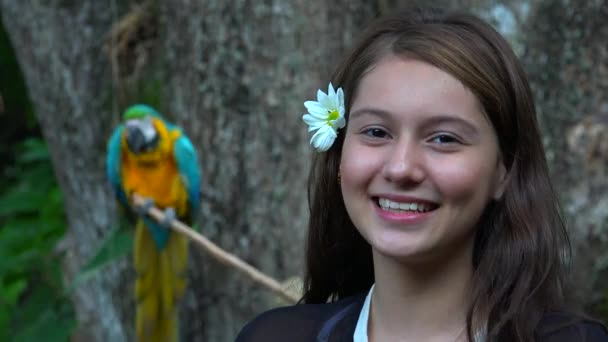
402	216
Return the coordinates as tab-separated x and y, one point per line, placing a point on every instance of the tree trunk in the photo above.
567	61
243	74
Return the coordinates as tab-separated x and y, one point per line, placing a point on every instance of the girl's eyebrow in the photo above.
369	110
438	119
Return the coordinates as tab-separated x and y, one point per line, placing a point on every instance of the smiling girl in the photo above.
432	216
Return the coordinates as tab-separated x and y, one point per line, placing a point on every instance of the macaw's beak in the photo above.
136	139
142	136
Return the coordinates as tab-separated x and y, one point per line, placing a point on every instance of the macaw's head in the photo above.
141	134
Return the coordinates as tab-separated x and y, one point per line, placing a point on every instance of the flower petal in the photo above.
337	99
320	95
317	110
312	122
325	100
323	138
330	90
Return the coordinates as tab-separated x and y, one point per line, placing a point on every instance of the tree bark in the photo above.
243	74
567	61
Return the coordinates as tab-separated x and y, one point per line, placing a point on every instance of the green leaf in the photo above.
47	327
18	201
12	292
34	150
43	315
118	244
33	304
4	322
17	234
20	263
48	320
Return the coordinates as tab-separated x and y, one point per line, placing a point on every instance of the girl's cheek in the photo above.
358	164
460	178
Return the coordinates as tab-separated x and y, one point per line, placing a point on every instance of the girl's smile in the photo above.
404	210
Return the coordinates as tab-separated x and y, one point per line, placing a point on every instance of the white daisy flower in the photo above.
326	117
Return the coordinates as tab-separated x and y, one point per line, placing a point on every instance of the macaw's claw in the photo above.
145	207
170	216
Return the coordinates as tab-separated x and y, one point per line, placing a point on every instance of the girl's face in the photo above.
420	161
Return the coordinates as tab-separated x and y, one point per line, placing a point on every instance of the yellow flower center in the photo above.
333	115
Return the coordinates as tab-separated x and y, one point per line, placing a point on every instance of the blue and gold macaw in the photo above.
153	158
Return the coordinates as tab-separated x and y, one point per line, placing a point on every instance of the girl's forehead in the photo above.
409	83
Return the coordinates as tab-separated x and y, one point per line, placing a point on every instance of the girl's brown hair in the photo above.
521	245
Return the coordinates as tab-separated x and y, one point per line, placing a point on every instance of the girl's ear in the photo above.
501	181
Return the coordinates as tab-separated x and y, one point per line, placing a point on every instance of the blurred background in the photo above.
234	74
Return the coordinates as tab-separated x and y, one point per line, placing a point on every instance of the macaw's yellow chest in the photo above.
157	179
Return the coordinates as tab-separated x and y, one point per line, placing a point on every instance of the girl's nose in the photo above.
404	165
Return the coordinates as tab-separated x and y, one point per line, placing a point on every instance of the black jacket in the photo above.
335	322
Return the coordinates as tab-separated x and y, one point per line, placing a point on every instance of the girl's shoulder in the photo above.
557	326
300	322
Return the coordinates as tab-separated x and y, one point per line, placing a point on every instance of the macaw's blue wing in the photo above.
187	164
113	165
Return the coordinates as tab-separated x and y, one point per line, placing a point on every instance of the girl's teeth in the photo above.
388	204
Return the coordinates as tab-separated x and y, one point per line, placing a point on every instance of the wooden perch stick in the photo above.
218	253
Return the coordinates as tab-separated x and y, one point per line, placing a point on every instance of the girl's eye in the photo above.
443	139
377	133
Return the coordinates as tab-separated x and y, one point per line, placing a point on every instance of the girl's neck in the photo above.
420	302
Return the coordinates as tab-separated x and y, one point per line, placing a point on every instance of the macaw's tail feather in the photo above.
160	283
